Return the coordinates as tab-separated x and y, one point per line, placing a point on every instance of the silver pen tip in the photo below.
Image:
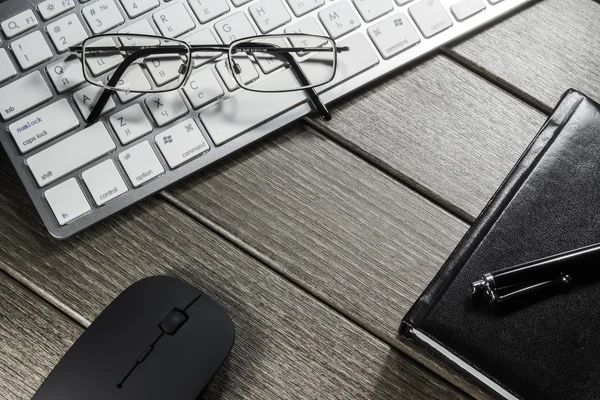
478	287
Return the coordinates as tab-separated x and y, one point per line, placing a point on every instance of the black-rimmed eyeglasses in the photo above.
153	64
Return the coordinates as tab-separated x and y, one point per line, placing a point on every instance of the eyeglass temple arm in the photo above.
311	92
116	77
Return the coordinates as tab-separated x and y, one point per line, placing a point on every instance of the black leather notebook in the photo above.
549	203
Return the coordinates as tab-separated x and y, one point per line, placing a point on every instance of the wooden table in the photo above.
318	240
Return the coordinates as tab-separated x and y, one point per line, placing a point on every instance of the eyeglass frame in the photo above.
224	49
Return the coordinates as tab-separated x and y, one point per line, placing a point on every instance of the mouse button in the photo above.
173	321
187	361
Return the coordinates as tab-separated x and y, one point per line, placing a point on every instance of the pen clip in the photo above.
506	294
497	295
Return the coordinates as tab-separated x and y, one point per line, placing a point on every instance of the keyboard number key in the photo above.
134	8
102	16
141	164
66	32
31	50
104	182
431	17
67	201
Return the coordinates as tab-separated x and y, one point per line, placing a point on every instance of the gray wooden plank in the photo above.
442	127
288	344
33	337
344	230
543	50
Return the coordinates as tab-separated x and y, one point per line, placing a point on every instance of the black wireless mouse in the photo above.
160	339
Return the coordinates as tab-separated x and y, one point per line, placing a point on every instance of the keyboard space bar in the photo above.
247	110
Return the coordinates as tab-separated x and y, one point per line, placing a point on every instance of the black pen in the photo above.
554	271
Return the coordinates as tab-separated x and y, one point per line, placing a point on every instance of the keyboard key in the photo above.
248	75
98	65
207	10
182	143
163	71
204	36
403	2
66	32
203	88
135	8
270	64
269	15
43	125
467	8
52	8
67	201
7	69
23	94
301	7
495	1
307	26
166	107
104	182
70	154
244	111
65	74
87	98
174	20
141	164
19	23
31	50
136	78
141	27
238	3
102	16
370	10
394	35
234	27
431	17
339	19
130	124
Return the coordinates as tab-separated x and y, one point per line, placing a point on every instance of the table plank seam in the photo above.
45	297
270	264
388	170
497	81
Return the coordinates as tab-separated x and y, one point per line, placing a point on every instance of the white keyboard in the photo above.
77	175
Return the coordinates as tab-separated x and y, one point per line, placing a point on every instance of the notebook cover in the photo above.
548	204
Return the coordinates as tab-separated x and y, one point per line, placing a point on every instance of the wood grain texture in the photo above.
33	338
442	127
288	345
345	231
543	50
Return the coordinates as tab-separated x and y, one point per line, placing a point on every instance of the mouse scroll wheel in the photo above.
173	321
